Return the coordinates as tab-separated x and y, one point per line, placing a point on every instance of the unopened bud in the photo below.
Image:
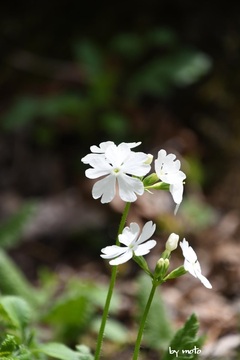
172	242
176	273
160	186
150	179
161	268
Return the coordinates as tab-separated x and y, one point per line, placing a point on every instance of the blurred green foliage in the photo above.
158	330
18	340
117	75
11	230
70	311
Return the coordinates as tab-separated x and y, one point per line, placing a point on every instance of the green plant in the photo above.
186	341
20	342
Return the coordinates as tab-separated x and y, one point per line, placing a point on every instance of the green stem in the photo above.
143	321
111	287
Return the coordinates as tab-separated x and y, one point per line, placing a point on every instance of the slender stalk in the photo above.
110	289
143	321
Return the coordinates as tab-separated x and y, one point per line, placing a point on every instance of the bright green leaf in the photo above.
17	310
58	351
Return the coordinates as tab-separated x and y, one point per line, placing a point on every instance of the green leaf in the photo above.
114	124
158	330
59	351
17	310
161	37
95	293
160	75
8	345
26	109
90	57
197	214
13	282
11	230
84	352
186	341
128	45
73	309
23	110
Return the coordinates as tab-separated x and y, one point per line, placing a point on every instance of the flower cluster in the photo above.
122	169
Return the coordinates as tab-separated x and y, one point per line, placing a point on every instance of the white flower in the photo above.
134	244
191	263
117	164
168	170
172	242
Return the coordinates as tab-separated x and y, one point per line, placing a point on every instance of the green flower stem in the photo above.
110	289
143	321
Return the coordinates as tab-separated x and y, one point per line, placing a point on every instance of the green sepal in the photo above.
158	186
150	180
176	273
166	254
143	264
161	269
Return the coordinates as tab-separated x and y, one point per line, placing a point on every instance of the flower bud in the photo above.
150	179
172	242
160	186
161	268
176	273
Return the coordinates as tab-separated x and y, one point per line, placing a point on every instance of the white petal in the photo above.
110	252
205	281
129	234
134	228
96	173
188	252
147	231
105	188
133	144
191	256
86	159
102	147
93	159
144	249
116	155
100	166
189	267
99	161
136	164
122	258
184	246
128	186
177	192
161	156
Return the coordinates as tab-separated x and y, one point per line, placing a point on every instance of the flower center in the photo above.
116	171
